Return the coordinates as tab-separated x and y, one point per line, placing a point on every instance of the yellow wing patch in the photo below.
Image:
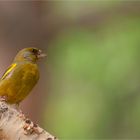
8	71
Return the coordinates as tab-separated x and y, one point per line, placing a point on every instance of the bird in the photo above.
21	76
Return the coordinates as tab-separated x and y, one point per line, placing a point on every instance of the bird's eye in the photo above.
34	50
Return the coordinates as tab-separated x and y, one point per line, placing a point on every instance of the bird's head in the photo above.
29	54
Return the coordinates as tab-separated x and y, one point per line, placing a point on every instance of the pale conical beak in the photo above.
41	55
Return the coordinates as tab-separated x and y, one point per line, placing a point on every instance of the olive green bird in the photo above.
21	76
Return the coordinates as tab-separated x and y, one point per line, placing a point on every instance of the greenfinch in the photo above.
21	76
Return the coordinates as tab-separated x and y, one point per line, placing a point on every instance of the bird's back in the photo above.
18	81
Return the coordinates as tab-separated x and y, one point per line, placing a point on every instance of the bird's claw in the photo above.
21	115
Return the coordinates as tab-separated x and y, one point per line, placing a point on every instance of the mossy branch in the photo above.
16	127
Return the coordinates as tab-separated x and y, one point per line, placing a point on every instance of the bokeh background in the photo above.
89	84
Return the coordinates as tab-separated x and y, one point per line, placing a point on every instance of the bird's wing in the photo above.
8	71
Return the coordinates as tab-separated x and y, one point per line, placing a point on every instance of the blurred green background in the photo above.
90	82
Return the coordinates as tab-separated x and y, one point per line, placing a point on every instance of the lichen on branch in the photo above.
15	126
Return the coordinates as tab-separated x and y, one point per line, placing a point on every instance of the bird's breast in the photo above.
19	84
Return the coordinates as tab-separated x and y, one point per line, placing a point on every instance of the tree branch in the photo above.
14	126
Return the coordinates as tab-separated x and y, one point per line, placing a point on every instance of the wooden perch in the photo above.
13	126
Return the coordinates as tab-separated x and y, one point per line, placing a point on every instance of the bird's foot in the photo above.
21	115
29	127
3	98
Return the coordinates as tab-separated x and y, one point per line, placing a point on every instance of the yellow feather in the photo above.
8	71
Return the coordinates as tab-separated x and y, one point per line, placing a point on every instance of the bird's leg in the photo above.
21	115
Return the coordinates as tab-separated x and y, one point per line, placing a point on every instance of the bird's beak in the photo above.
41	55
